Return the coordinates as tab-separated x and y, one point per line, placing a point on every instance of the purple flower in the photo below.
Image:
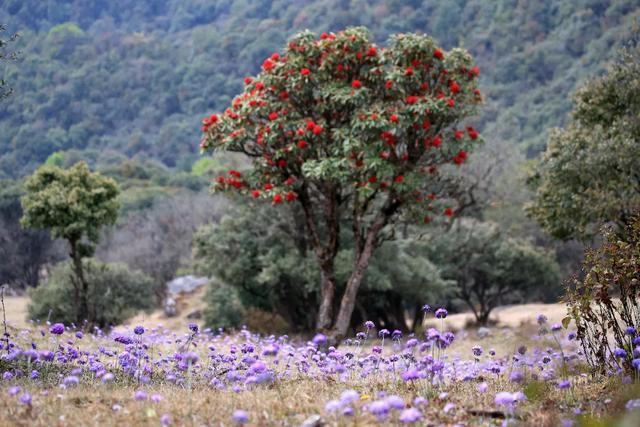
13	390
57	329
369	324
632	404
505	398
541	319
333	406
426	308
138	330
410	374
379	408
108	377
448	407
46	355
79	335
348	411
395	402
70	381
140	395
630	330
564	384
193	327
516	376
477	350
383	333
349	396
571	336
319	339
556	327
410	415
25	399
441	313
240	417
420	401
482	387
620	353
165	420
636	364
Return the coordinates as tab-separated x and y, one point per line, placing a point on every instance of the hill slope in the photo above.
134	80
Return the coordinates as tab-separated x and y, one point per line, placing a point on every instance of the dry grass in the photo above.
290	402
16	311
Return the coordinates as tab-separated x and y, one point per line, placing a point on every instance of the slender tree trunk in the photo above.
327	294
82	289
349	298
418	315
364	253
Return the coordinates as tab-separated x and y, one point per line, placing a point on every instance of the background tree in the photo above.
24	252
74	204
263	253
589	173
6	55
114	294
157	238
490	268
351	131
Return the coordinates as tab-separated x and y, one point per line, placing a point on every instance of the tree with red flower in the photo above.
367	158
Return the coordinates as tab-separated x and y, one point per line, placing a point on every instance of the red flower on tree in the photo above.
354	144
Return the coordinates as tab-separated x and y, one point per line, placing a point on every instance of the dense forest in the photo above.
118	82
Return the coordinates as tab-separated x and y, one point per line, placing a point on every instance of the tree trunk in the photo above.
327	293
363	257
82	291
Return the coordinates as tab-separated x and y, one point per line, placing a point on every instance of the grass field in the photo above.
172	375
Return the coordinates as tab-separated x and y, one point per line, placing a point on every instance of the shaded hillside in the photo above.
134	80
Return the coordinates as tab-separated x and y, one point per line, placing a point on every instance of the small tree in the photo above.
353	133
114	295
491	269
604	304
589	173
74	204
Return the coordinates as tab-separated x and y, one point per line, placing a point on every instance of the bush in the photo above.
115	294
224	309
605	304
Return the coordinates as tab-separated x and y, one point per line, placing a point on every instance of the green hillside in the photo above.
117	80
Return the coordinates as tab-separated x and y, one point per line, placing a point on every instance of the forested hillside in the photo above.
134	81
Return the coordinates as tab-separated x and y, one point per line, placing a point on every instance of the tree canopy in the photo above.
590	172
74	204
351	131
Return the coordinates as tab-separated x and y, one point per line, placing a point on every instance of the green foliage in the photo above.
259	253
124	86
263	253
224	309
605	301
490	268
23	252
115	294
73	203
55	159
6	55
589	173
